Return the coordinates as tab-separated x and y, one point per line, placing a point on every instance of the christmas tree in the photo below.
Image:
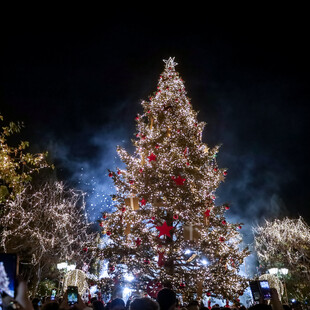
166	229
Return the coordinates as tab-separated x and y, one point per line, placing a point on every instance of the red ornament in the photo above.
143	202
111	268
164	230
182	285
208	294
110	174
153	287
161	260
147	261
153	218
137	117
239	226
152	157
227	207
118	172
138	242
224	222
222	239
85	249
101	224
187	163
123	209
140	170
157	146
215	169
131	182
225	173
179	180
207	213
109	233
175	217
104	216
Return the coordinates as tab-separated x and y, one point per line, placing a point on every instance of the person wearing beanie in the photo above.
166	299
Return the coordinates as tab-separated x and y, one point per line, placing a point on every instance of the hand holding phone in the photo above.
260	290
72	295
53	294
8	274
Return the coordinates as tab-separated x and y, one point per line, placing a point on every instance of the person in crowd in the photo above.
193	305
50	305
97	305
35	303
117	304
166	299
22	301
143	303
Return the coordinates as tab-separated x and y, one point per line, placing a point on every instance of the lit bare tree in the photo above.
46	226
286	243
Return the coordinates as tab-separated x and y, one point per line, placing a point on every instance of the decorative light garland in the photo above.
171	180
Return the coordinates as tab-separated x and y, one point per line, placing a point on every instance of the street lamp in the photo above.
280	273
63	268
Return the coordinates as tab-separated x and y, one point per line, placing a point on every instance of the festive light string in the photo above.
16	165
174	175
284	242
50	222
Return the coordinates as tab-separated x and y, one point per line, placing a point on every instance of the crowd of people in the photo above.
166	300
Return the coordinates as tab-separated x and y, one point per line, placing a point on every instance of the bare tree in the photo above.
44	227
286	243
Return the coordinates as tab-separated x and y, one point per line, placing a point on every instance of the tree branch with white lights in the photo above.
45	226
285	243
16	165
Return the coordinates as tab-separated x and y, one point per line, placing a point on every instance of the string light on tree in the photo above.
175	181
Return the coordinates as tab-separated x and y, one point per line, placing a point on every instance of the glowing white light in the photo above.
273	270
129	277
293	300
188	251
71	267
62	266
126	293
283	271
93	290
204	262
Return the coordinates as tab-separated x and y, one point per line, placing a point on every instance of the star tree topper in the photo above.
170	62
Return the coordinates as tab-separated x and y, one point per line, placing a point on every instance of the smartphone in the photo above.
260	289
72	295
53	294
8	274
254	286
265	289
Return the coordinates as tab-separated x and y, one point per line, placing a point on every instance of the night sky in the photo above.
77	87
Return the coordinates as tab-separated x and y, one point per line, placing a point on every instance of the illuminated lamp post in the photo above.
280	273
63	268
